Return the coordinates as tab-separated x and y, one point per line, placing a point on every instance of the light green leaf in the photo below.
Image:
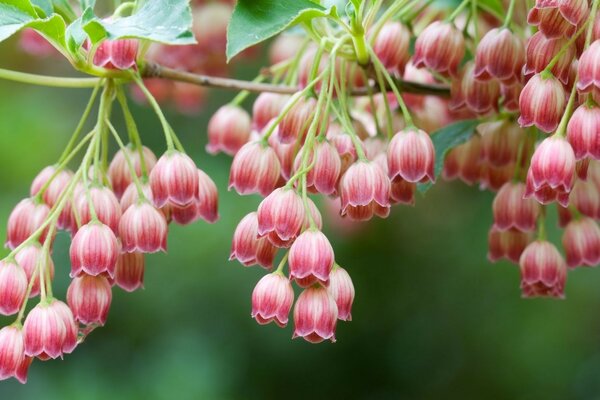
75	35
447	138
87	4
254	21
18	14
45	6
164	21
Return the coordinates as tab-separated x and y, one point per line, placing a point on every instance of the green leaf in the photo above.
254	21
164	21
87	4
75	35
18	14
44	5
447	138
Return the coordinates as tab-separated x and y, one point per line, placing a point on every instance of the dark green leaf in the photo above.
446	139
254	21
164	21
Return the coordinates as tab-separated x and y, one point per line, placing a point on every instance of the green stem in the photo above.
561	52
457	11
136	180
592	17
282	263
51	81
475	22
542	224
81	123
62	165
386	103
392	84
562	127
291	103
134	134
158	111
509	14
241	96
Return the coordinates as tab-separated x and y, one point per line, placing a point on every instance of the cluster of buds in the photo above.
343	131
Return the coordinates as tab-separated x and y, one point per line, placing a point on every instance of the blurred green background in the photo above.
432	318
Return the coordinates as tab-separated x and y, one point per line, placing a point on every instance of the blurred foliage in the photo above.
432	318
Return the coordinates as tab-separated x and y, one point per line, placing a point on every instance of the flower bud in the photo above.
94	250
501	55
392	46
507	244
558	18
105	203
365	191
493	178
311	259
116	54
31	258
296	123
581	241
345	148
552	171
13	362
44	332
510	96
582	132
228	130
272	299
500	142
285	154
119	172
315	315
585	197
129	274
281	216
13	287
55	189
184	215
542	103
541	50
477	96
588	73
342	290
248	248
285	47
174	180
89	297
464	161
255	169
440	47
543	271
511	210
208	198
71	328
411	156
325	173
25	219
266	107
143	229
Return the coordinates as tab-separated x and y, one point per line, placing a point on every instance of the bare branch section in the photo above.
153	70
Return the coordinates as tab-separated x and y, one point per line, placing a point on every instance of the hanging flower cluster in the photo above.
353	113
